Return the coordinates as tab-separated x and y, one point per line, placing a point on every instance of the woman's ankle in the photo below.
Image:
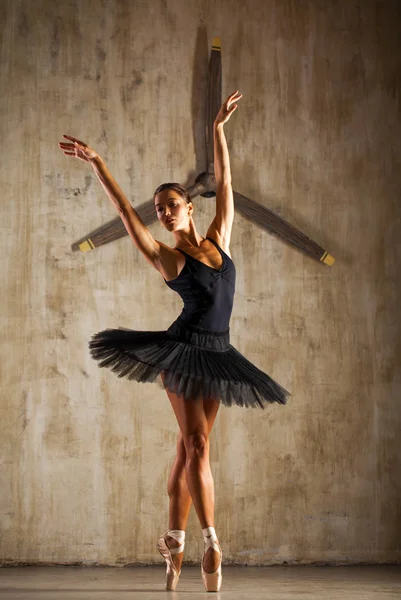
175	539
210	536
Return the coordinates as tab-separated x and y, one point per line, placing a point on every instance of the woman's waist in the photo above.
199	336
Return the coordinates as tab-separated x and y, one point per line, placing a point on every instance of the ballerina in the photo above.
193	359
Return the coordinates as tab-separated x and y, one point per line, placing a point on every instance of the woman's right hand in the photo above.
78	148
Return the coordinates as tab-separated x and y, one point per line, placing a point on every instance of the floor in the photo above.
245	583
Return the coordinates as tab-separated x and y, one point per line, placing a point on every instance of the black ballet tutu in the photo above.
189	361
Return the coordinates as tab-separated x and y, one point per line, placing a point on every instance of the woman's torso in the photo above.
206	288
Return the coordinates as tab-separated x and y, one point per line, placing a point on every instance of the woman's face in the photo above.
172	210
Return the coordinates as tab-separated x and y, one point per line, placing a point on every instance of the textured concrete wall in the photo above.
85	456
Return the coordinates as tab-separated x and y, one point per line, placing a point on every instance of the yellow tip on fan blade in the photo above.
216	44
86	245
327	259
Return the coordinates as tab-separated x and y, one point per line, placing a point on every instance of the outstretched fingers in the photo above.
232	99
236	94
78	148
67	148
75	140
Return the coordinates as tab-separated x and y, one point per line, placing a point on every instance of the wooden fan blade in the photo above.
267	219
115	229
213	101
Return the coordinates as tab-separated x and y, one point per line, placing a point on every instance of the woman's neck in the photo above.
188	239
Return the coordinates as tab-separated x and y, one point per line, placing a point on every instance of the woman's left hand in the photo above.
227	108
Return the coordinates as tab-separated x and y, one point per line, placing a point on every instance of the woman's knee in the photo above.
196	444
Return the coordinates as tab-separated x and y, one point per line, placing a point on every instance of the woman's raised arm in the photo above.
223	220
134	225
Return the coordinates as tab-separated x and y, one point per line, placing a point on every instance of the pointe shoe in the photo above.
212	581
172	575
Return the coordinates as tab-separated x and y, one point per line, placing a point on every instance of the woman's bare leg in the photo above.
178	491
177	488
195	418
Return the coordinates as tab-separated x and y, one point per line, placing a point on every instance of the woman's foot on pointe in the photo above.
172	550
211	561
173	545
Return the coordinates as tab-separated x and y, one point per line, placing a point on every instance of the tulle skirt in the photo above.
188	360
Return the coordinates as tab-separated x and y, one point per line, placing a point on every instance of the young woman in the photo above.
193	359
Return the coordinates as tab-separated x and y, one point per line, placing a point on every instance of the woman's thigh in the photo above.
211	408
194	415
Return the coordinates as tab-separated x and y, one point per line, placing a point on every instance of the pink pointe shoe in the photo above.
172	575
212	581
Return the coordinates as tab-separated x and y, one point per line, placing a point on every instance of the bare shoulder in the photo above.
220	235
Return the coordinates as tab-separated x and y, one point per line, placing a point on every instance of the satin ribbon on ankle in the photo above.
179	536
211	539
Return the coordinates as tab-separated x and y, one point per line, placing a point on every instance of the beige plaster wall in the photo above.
84	455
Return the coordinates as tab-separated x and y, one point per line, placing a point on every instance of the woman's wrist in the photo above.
96	161
217	125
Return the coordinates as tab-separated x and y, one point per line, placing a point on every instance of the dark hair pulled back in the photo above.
177	187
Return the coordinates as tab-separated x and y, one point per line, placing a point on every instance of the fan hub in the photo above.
208	181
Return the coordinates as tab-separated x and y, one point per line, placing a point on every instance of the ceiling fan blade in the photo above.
267	219
200	78
115	229
213	101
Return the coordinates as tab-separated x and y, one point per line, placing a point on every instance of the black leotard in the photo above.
207	293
